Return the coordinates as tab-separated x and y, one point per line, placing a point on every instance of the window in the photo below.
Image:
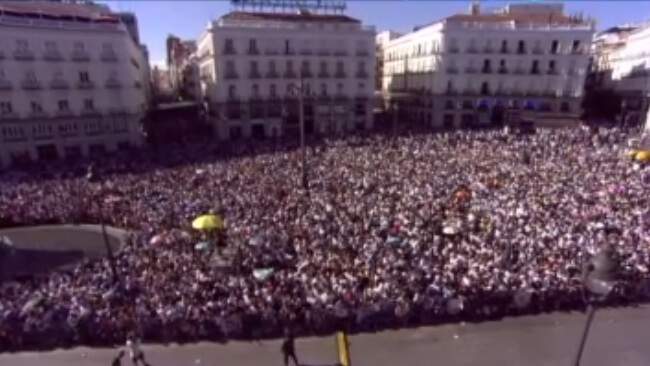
232	91
551	65
30	76
289	65
555	46
230	66
323	89
323	66
272	66
339	66
89	105
252	44
229	44
50	46
63	105
305	65
504	46
256	90
253	65
21	45
575	47
362	66
521	47
79	47
287	48
272	90
36	107
83	77
362	87
6	107
339	88
107	48
58	75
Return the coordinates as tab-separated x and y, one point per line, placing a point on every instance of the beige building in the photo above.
71	82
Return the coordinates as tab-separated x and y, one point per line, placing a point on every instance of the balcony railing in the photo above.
108	57
272	74
323	52
253	51
31	84
6	85
38	114
518	71
551	72
231	75
503	70
289	74
362	53
535	72
254	74
113	83
450	92
452	49
52	55
470	70
90	112
340	74
7	116
307	74
340	53
64	113
472	50
59	84
504	50
488	50
521	51
81	56
361	74
229	50
23	55
486	70
271	52
537	51
85	85
306	52
323	74
452	70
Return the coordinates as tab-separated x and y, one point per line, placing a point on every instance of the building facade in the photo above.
381	40
71	83
253	64
179	53
523	61
629	75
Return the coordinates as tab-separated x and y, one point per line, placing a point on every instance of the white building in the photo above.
70	82
630	75
474	69
250	61
381	40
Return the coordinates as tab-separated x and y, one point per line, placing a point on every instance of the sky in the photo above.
187	18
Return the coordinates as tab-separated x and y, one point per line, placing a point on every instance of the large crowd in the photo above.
401	231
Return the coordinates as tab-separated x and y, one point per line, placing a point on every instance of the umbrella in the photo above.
207	222
643	155
262	273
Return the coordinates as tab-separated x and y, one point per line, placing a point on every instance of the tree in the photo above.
601	104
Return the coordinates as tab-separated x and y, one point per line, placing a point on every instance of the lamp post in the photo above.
599	278
300	90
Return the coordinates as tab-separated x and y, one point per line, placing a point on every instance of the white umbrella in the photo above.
158	239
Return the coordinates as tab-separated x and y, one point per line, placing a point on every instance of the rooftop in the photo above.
302	16
519	18
55	10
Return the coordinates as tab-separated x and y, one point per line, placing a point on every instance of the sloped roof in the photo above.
56	10
290	17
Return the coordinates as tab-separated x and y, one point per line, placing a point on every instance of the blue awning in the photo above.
483	102
530	103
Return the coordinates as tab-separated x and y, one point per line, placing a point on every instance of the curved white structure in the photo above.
72	82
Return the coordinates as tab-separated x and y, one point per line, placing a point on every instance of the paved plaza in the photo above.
618	337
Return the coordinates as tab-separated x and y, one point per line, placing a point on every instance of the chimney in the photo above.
475	8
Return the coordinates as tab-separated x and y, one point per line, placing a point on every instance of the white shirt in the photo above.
134	347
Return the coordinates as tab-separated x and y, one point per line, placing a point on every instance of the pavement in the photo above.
618	337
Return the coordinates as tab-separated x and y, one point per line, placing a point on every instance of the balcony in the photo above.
38	114
452	70
361	74
324	97
472	50
551	72
306	74
253	51
59	84
289	74
113	83
272	74
31	84
503	70
340	53
470	70
306	52
231	75
8	116
451	91
340	74
452	50
229	50
577	51
90	112
486	70
23	55
271	52
85	85
504	50
537	51
323	74
289	52
6	85
80	56
108	57
340	97
521	51
488	50
254	74
518	71
535	71
52	55
64	113
362	53
323	52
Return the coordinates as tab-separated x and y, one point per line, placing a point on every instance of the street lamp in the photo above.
301	91
599	278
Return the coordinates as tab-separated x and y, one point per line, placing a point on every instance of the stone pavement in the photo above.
619	337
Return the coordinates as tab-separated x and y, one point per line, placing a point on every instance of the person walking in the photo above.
136	354
117	361
289	349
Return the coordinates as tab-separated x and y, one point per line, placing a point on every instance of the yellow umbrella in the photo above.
207	222
643	155
632	152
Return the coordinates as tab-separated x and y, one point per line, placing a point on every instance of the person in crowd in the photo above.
117	361
289	349
414	229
